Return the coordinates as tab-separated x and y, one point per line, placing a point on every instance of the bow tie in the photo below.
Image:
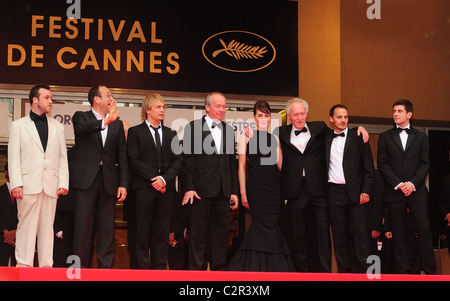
214	124
400	129
303	130
340	134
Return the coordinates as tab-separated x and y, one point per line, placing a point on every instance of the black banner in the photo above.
237	47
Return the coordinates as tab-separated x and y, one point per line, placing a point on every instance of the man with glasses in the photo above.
98	175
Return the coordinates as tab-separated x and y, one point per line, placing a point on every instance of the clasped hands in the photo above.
9	237
158	184
406	187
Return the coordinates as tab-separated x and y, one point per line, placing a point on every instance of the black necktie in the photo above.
400	129
158	144
340	134
303	130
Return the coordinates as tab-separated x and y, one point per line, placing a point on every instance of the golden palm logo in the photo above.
240	50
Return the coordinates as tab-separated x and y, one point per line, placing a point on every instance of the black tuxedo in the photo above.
312	160
402	165
206	171
8	221
213	175
357	164
153	208
306	196
96	173
444	200
349	219
444	204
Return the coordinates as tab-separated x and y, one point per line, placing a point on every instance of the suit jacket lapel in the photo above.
328	142
224	138
313	136
31	129
146	130
51	132
412	134
99	133
286	136
207	132
165	138
397	139
350	137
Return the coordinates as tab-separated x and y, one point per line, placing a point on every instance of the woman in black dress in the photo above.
264	247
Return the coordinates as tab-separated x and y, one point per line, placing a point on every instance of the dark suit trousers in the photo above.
7	252
421	225
209	221
351	236
153	213
94	210
301	211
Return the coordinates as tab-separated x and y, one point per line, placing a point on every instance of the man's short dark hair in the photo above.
404	102
335	107
94	91
34	92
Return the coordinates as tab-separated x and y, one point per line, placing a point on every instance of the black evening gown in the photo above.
264	247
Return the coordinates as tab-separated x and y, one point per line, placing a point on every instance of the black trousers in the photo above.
421	226
153	214
6	252
94	210
307	227
209	226
349	225
63	248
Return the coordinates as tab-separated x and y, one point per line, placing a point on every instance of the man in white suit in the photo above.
38	170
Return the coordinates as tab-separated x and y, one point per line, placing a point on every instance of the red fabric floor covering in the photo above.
63	274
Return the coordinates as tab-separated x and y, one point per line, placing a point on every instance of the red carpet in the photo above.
62	274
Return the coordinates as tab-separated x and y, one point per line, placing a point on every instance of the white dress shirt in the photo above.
152	131
336	169
216	133
404	136
301	140
104	131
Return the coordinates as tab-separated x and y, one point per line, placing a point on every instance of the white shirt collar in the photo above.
296	129
98	116
344	131
149	124
210	121
406	127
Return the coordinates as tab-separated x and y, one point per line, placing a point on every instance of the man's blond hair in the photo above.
148	101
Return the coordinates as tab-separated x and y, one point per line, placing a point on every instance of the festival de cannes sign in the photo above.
157	45
238	51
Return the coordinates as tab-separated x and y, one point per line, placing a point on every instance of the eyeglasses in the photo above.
107	96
